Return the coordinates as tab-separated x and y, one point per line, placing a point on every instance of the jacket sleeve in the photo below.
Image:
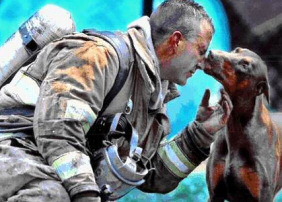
174	159
80	73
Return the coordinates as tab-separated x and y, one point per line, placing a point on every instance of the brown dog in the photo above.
245	163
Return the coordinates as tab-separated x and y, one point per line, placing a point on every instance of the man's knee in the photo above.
42	190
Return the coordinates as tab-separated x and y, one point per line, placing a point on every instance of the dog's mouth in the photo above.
213	68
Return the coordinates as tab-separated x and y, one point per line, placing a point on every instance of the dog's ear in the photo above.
263	87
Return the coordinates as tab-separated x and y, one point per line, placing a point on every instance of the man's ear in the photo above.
263	87
174	40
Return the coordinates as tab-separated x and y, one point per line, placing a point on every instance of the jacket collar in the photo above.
140	33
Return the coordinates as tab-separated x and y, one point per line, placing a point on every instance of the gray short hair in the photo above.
174	15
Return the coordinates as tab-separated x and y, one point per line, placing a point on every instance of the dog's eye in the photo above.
244	63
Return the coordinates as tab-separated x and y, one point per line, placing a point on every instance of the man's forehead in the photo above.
206	30
202	30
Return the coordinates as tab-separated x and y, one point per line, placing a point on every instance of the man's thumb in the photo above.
205	99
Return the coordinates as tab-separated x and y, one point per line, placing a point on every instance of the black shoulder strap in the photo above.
124	62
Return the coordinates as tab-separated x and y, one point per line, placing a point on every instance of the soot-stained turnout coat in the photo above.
67	84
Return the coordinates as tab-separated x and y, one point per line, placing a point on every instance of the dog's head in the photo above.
240	72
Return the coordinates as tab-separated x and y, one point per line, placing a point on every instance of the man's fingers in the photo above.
226	112
205	99
222	95
225	97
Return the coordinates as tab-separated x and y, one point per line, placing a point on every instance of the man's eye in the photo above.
202	52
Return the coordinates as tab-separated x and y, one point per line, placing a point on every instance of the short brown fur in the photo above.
249	148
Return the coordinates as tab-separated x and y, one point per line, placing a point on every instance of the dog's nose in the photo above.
200	65
211	55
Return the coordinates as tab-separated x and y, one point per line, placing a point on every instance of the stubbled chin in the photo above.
182	82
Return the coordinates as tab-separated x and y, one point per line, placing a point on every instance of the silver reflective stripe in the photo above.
115	122
71	164
23	89
5	136
80	111
175	160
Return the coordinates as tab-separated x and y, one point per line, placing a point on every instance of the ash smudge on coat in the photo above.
82	75
93	54
59	86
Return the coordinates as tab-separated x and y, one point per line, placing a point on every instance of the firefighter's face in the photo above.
180	57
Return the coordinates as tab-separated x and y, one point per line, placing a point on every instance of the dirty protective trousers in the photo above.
23	168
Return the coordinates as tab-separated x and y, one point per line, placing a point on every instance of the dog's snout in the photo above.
211	55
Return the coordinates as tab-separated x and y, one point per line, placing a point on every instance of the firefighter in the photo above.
70	79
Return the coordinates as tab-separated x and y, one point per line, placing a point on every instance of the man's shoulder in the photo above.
78	39
79	48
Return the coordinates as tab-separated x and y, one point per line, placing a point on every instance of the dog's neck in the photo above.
247	116
243	108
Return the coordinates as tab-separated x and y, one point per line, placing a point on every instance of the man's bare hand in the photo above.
210	119
214	118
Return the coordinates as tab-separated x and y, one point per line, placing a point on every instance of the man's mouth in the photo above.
190	73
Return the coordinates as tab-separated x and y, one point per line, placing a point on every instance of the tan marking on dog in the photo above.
93	54
265	117
278	148
230	76
248	59
217	174
279	163
278	142
277	154
244	84
83	75
251	179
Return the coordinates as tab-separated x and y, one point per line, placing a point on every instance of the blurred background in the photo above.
256	25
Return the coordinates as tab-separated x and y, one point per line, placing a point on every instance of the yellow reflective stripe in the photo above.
24	89
80	111
175	160
169	163
181	156
72	164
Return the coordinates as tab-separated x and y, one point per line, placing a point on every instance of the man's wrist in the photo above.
200	136
199	154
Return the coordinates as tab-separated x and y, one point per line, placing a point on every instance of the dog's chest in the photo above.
243	177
